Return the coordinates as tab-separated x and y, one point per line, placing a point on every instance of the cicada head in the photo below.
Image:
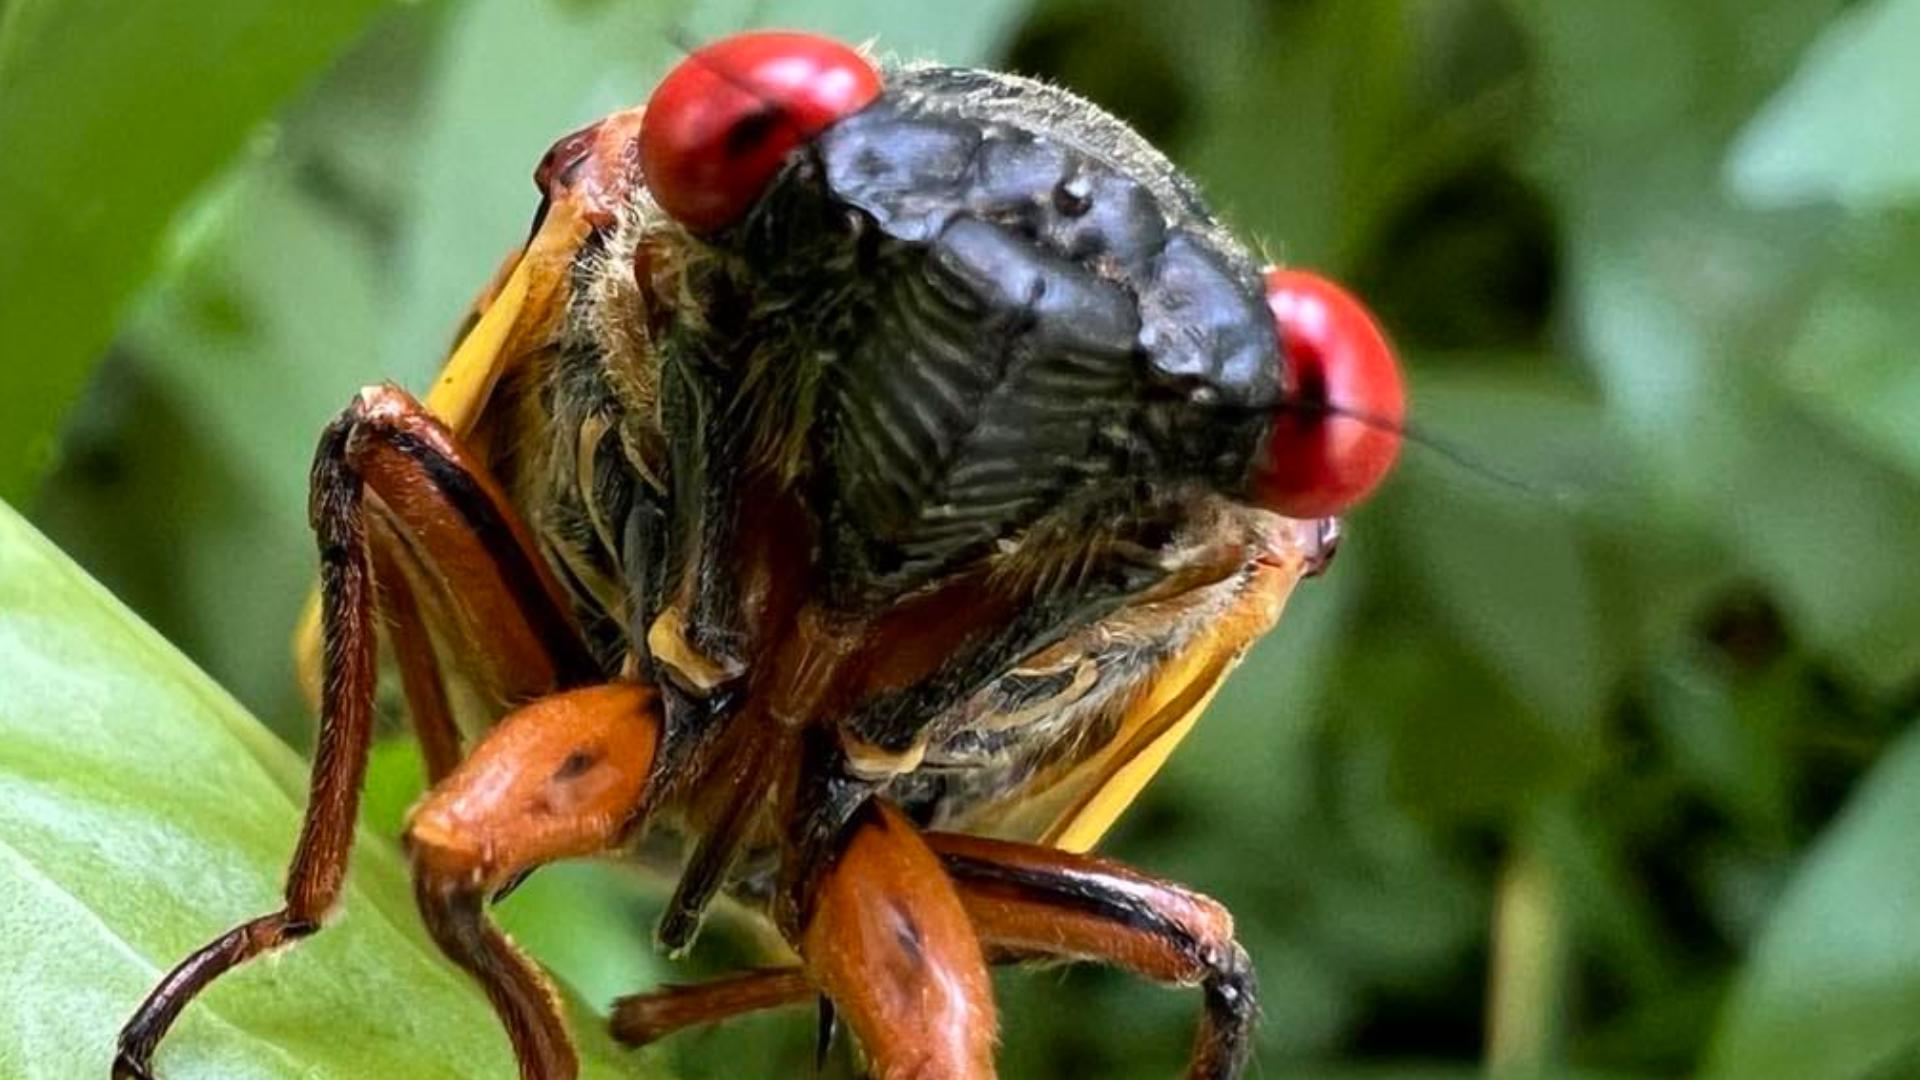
998	308
970	318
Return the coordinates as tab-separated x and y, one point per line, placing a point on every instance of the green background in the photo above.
1590	755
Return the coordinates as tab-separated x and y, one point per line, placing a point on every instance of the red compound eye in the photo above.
720	126
1334	440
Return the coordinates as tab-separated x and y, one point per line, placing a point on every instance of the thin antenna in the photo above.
1452	452
681	40
757	14
753	18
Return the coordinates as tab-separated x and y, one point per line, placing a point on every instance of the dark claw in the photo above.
829	1023
131	1065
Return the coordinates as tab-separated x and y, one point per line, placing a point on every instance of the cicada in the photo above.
860	480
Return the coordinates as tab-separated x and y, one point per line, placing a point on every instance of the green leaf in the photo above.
141	813
1844	129
1852	358
112	115
1834	984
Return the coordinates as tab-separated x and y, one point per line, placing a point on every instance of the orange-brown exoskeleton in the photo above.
867	476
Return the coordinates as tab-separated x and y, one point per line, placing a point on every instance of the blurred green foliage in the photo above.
111	114
1567	769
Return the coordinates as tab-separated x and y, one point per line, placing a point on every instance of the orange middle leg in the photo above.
886	938
1032	900
1026	901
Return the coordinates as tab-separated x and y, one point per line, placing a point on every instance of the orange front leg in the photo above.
563	777
887	939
